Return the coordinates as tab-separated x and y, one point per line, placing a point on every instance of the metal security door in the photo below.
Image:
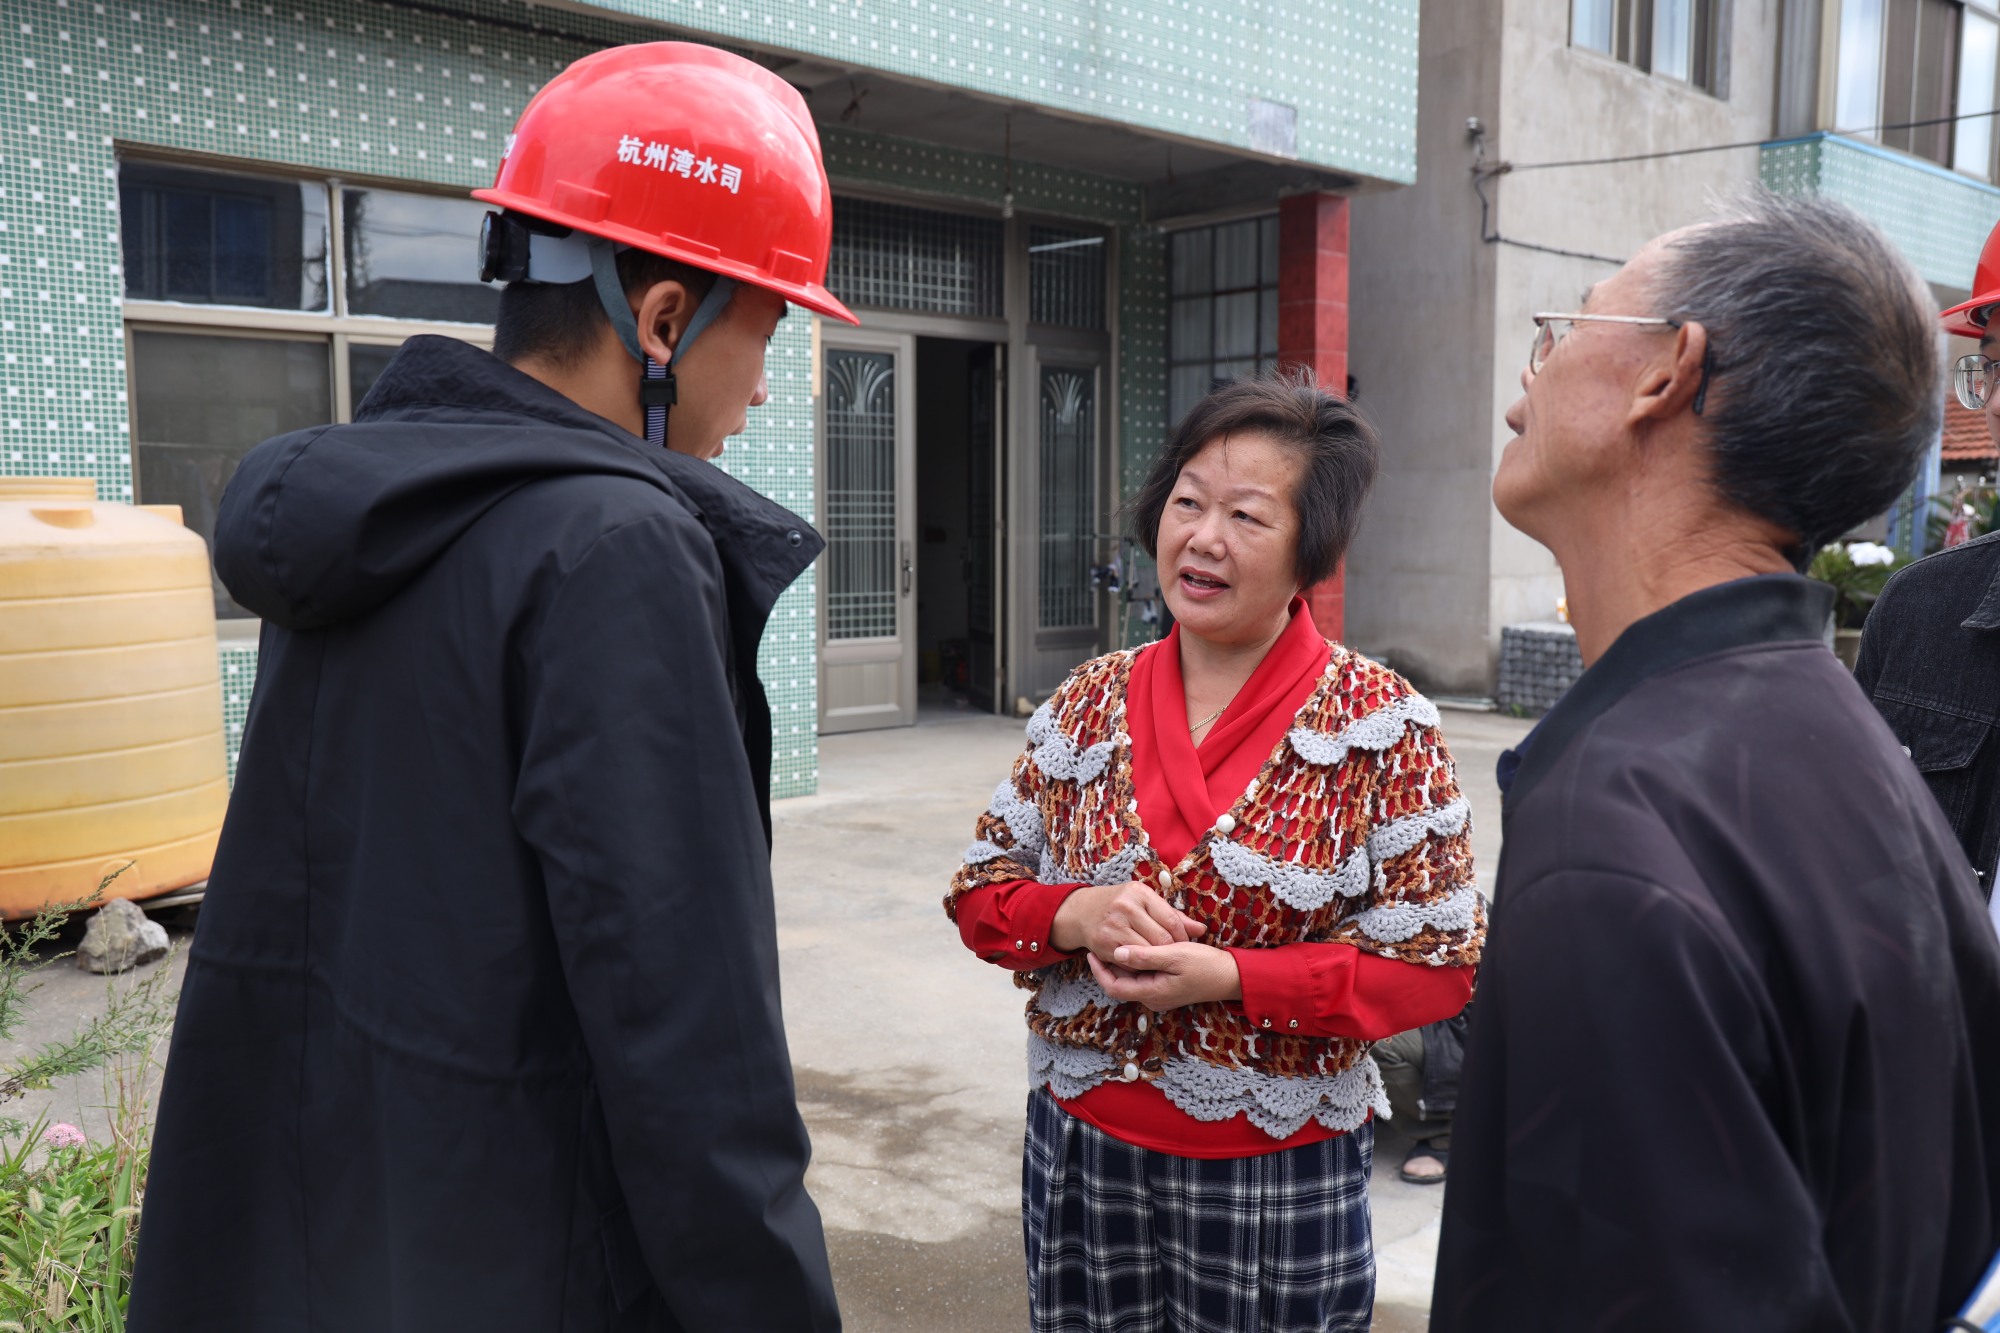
867	438
1056	606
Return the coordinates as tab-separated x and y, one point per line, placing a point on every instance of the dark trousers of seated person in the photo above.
1401	1059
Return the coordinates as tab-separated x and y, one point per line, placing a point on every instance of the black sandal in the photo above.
1421	1151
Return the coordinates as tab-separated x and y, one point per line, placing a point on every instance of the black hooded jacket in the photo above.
481	1024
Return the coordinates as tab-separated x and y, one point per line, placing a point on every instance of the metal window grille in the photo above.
1068	496
1066	277
895	257
1222	320
860	494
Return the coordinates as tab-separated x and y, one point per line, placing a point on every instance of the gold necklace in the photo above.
1205	721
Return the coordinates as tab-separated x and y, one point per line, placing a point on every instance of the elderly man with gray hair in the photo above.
1736	1060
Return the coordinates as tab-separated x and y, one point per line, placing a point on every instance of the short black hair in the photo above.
561	322
1826	378
1339	445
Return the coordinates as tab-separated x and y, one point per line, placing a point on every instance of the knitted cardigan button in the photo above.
1142	1023
1130	1072
1226	825
1166	879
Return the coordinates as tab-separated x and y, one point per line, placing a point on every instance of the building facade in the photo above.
1555	138
1057	218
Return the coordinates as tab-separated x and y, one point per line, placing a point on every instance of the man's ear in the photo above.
1672	385
662	311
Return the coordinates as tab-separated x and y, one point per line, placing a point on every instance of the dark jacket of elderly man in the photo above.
1736	1058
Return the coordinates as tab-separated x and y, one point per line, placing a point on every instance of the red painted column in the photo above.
1312	330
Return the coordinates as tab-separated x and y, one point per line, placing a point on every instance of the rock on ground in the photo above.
119	938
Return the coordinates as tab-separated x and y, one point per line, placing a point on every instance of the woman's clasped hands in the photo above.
1142	948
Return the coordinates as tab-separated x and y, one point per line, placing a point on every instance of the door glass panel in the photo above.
860	494
199	403
1066	277
1068	491
218	238
904	258
415	256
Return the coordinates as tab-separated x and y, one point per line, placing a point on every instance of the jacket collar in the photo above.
763	547
1769	608
1987	614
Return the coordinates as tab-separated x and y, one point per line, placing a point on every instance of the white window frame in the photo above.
335	326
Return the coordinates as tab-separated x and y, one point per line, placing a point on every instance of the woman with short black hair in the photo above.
1227	862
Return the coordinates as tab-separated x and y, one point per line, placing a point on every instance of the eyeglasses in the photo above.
1972	378
1551	329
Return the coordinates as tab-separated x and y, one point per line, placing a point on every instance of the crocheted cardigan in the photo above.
1354	832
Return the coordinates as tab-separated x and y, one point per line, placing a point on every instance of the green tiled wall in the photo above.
1188	67
340	87
855	158
1937	218
776	457
1142	388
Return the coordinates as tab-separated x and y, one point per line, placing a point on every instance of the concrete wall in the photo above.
1560	103
1442	320
1421	353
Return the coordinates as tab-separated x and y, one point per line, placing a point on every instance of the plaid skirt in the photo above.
1122	1239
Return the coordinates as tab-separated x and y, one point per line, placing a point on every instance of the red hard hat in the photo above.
1968	319
686	151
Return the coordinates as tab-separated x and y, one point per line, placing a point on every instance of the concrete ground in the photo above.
909	1052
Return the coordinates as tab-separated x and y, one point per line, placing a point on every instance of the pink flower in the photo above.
59	1136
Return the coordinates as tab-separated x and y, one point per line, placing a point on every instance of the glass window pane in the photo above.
1590	24
1978	60
1068	487
1673	38
860	494
1066	277
1188	329
1236	324
1192	271
1858	76
1185	386
903	258
365	364
415	256
1267	322
1235	370
1236	262
1268	243
218	238
199	403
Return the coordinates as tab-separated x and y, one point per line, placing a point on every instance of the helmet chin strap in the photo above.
658	390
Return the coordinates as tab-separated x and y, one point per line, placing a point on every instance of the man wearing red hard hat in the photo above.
481	1025
1930	653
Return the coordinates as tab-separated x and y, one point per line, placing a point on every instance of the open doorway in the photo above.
959	523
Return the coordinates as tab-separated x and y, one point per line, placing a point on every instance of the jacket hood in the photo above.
324	525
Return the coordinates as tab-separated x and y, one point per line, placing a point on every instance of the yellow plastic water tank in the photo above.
110	698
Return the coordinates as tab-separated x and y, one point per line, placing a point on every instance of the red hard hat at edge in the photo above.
1968	319
686	151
